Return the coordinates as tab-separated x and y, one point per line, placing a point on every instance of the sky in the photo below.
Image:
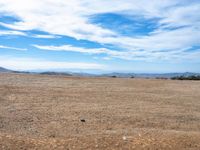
98	36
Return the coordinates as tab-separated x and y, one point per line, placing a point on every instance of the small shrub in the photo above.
113	76
192	77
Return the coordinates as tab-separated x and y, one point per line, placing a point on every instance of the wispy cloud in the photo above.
127	55
11	32
43	36
19	33
165	54
12	48
79	49
177	25
38	64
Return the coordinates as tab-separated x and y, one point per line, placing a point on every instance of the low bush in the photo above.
193	77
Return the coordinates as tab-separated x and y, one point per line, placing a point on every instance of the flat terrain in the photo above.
57	112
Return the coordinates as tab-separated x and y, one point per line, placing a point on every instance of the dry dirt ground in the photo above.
66	113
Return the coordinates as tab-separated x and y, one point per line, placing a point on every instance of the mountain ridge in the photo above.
114	74
4	70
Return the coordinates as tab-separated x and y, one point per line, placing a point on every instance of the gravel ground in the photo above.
58	112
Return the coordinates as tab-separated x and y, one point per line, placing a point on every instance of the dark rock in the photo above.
82	120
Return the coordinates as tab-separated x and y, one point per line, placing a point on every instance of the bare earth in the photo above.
45	112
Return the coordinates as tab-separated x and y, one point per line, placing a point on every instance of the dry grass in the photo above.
44	112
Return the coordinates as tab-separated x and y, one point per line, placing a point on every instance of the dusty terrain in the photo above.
57	112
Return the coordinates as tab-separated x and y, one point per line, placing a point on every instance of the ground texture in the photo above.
57	112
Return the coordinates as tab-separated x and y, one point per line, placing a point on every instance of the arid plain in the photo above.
60	112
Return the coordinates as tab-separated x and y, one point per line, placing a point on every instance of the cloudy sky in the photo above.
100	35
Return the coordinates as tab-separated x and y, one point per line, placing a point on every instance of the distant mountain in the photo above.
4	70
114	74
55	73
67	74
149	75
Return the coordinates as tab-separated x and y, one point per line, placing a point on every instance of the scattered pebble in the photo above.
83	120
124	138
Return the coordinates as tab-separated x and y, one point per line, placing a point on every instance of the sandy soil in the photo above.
57	112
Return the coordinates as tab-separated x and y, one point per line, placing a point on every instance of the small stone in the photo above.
83	120
124	138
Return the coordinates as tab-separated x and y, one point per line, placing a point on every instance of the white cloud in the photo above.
173	55
10	32
36	64
12	48
128	55
19	33
71	18
43	36
79	49
107	58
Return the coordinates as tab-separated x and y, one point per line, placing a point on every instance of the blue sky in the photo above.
100	36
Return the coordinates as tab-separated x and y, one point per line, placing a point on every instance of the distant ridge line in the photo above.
114	74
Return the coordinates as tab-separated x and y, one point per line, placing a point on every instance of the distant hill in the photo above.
67	74
114	74
149	75
56	73
4	70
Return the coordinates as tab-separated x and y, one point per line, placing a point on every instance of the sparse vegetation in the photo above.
193	77
161	78
113	76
